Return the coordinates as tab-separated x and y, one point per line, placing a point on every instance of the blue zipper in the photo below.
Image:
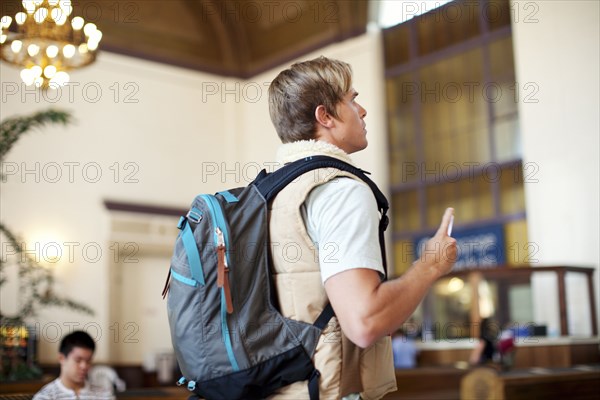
218	220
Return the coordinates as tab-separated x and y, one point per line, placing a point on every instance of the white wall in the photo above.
157	136
173	133
557	50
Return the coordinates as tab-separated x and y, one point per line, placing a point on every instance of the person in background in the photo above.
485	350
405	350
75	356
507	348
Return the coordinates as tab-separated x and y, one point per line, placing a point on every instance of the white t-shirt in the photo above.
342	219
55	390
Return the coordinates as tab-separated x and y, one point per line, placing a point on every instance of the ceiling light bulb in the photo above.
96	36
40	15
33	50
77	23
36	70
92	45
83	48
27	76
50	71
61	78
5	22
38	2
16	46
3	39
89	28
56	13
21	17
61	19
53	2
52	51
29	6
69	51
66	6
38	82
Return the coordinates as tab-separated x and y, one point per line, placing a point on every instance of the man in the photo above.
314	110
405	350
75	357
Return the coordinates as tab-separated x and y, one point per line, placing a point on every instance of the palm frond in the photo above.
11	129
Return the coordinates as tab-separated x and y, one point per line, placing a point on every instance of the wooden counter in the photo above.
560	352
580	383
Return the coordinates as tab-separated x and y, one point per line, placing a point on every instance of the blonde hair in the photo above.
296	92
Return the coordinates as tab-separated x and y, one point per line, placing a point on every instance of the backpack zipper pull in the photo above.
223	270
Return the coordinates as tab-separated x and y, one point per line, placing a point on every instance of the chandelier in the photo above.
47	41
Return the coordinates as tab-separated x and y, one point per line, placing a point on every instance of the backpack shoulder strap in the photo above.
269	185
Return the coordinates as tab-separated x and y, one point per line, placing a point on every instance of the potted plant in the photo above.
18	341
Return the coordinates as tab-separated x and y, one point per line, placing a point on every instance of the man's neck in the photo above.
289	152
69	384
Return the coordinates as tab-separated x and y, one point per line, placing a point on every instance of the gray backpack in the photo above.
230	340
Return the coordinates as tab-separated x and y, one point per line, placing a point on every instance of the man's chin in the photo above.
365	144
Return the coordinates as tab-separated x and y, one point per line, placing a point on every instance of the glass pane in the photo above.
578	304
497	13
403	152
452	299
396	45
512	194
521	304
403	256
487	292
450	24
405	211
507	139
503	97
439	197
502	62
453	111
465	202
484	203
519	252
503	94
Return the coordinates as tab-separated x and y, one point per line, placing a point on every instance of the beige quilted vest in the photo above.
344	367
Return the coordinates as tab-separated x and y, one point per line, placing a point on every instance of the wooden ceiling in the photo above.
238	38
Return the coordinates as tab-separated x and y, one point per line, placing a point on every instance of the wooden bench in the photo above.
16	396
23	390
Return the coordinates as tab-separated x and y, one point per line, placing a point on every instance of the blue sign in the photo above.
479	247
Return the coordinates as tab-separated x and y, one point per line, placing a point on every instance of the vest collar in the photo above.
289	152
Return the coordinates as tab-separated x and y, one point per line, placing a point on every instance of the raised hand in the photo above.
440	251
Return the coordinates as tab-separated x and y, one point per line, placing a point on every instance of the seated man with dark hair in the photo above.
75	357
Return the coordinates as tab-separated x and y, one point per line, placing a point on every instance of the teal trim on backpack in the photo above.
225	331
191	249
218	220
183	279
228	196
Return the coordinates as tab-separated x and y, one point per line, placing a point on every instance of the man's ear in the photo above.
61	358
323	117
